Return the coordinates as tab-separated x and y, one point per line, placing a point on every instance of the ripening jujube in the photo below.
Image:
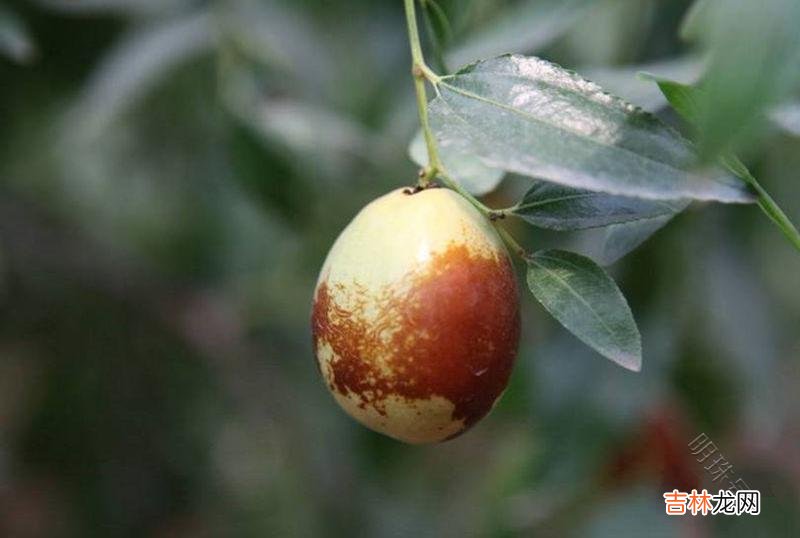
415	319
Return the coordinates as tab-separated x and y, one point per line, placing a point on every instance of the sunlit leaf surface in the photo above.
532	117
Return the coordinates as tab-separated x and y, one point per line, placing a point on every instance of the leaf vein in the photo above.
577	295
636	156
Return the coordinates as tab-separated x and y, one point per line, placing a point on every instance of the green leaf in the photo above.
526	27
623	80
553	206
279	37
322	138
585	300
438	29
529	116
687	101
470	171
138	63
696	16
682	97
439	22
754	51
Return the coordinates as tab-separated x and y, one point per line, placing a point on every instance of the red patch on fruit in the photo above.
450	330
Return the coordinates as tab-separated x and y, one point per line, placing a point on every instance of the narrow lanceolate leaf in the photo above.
469	169
438	28
682	97
137	64
529	116
685	99
754	52
439	22
622	80
688	102
585	300
523	27
553	206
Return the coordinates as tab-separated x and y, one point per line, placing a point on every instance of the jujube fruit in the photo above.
415	320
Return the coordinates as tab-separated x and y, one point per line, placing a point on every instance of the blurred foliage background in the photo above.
172	174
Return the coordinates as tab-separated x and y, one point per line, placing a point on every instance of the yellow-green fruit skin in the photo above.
415	320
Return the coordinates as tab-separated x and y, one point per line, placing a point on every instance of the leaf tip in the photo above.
647	76
632	362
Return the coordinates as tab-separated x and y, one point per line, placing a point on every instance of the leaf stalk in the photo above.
512	243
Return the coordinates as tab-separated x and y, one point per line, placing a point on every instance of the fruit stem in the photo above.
488	212
451	183
512	243
421	72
